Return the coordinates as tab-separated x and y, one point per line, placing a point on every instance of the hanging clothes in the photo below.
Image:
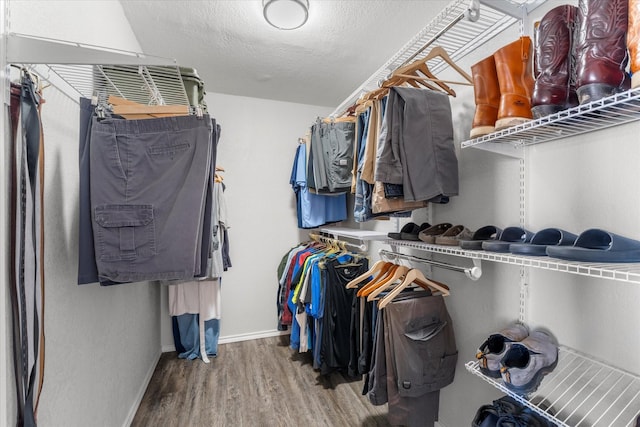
330	156
27	239
416	147
313	300
368	202
196	304
314	210
414	355
132	228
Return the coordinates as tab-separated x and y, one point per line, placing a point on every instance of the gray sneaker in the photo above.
526	362
496	346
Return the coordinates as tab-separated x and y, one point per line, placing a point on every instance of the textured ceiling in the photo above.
236	52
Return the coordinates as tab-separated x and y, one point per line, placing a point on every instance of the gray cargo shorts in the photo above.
148	182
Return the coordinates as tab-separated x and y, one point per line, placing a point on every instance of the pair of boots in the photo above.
581	56
503	84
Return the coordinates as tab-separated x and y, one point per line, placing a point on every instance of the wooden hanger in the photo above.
410	71
386	275
418	75
414	276
374	269
400	273
133	110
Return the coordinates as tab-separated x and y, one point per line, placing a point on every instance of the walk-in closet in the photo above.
320	212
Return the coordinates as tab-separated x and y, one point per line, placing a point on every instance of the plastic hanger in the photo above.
414	276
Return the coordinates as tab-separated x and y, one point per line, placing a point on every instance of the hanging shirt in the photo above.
314	210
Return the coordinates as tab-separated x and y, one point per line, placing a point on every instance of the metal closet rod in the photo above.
473	273
325	239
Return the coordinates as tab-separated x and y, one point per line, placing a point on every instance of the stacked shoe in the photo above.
520	358
507	412
496	346
528	361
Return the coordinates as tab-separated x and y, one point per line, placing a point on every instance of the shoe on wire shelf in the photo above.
528	361
491	352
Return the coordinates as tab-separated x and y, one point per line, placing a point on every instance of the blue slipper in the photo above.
595	245
508	236
488	232
542	239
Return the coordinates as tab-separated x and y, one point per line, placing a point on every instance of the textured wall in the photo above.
257	146
101	343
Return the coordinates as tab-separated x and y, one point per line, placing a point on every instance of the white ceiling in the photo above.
236	52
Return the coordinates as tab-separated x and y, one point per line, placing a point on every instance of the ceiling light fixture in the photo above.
286	14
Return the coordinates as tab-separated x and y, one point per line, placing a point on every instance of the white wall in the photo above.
101	343
257	146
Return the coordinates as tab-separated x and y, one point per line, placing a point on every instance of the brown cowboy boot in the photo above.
633	43
514	64
601	48
487	97
554	62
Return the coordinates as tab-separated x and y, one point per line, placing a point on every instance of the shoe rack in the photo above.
604	113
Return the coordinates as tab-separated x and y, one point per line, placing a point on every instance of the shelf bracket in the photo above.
512	9
515	151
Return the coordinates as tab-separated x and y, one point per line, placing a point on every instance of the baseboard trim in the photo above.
237	338
140	395
252	336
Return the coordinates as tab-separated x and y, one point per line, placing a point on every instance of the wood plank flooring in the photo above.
253	383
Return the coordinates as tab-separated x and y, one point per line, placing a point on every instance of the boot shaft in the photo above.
487	97
601	48
633	41
555	59
514	66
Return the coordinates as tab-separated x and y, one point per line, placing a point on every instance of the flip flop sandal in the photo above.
429	235
408	228
488	232
541	240
452	236
596	245
508	236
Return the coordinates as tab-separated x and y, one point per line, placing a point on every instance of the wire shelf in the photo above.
607	112
467	36
580	392
625	272
138	77
144	84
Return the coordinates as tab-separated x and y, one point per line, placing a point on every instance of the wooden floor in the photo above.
253	383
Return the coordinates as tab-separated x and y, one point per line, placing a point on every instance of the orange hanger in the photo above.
399	274
386	272
375	268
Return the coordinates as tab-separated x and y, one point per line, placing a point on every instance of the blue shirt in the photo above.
314	210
